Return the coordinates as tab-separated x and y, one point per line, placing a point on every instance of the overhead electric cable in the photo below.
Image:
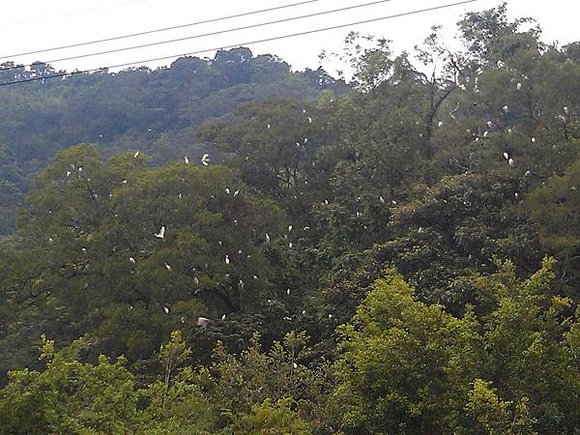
163	29
217	32
257	41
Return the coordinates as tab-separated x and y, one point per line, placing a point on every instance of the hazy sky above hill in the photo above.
36	25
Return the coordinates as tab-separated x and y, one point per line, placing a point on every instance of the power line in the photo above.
257	41
218	32
163	29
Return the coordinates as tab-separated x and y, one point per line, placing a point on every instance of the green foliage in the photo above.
409	367
69	396
412	206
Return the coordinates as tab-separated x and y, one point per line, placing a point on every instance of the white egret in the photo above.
203	321
166	309
161	233
227	260
136	154
132	260
167	266
186	159
519	87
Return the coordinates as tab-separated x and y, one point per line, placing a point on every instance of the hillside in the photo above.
155	111
403	257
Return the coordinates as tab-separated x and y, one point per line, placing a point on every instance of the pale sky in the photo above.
36	25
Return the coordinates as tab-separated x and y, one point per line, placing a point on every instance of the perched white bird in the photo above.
227	260
519	87
224	317
241	284
309	119
68	173
306	228
505	108
161	233
440	123
205	160
268	238
533	139
186	159
166	309
511	162
305	140
287	291
132	260
236	192
167	266
506	155
227	190
294	365
566	110
196	280
290	228
203	321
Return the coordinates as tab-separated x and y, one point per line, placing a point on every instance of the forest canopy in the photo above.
227	246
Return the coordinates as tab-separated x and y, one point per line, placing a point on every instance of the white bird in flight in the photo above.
136	154
205	160
161	233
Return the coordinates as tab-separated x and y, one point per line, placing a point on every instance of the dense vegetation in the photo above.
399	257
